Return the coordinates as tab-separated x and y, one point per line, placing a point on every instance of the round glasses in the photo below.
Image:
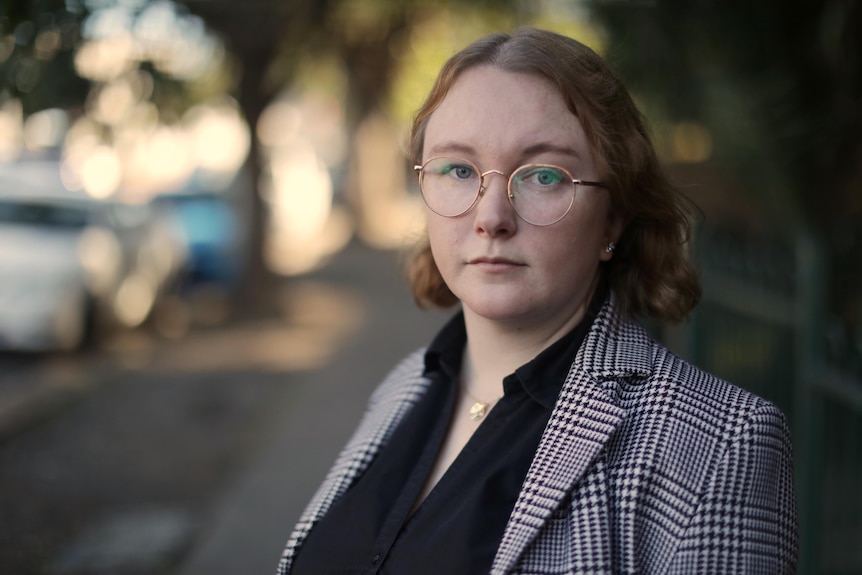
541	194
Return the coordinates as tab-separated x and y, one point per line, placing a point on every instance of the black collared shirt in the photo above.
459	525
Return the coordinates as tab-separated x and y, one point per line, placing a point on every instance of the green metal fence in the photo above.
763	325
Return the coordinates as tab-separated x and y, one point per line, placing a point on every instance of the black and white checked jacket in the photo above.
647	465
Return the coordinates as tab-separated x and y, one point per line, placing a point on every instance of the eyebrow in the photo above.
448	147
533	150
545	147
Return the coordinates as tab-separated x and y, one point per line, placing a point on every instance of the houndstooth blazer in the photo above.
647	465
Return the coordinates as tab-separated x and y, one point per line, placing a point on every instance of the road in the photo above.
195	455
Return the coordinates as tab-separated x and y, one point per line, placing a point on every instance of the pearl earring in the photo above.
611	247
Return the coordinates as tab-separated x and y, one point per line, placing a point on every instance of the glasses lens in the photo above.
541	194
450	185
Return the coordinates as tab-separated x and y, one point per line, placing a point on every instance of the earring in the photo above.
611	247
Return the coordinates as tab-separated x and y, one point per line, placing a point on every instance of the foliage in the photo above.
38	39
778	85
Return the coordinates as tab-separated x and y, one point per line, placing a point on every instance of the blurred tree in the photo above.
38	39
778	85
254	33
270	41
779	88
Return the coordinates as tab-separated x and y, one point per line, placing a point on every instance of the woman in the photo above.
543	431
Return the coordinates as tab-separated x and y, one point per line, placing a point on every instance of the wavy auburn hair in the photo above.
650	272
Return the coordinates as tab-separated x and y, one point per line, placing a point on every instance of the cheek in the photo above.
443	233
575	248
442	241
587	231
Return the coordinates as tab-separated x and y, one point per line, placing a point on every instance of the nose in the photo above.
495	216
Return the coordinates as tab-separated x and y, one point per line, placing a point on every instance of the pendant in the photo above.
478	410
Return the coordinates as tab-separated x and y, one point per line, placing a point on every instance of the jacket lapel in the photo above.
570	454
387	407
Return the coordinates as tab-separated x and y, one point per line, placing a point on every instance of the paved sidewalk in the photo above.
249	526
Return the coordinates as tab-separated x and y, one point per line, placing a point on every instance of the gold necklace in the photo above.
479	407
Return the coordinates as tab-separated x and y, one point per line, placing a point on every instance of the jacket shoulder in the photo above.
701	394
696	454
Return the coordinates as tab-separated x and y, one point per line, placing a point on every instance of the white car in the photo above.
70	264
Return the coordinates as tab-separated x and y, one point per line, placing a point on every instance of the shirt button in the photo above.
376	559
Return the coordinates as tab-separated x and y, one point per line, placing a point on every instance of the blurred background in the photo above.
203	205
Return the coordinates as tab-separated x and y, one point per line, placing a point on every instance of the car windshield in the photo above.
47	215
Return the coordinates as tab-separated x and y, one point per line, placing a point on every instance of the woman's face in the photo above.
502	268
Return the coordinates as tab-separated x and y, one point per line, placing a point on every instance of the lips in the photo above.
494	264
489	260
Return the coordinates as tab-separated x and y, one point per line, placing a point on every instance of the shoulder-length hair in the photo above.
650	273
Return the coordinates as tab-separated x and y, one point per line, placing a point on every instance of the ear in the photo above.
614	227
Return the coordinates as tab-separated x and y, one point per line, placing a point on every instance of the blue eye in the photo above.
459	171
542	176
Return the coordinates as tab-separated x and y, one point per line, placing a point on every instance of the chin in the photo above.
500	310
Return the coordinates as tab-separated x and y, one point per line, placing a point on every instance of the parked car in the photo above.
211	232
73	266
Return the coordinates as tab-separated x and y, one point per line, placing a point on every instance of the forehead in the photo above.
499	113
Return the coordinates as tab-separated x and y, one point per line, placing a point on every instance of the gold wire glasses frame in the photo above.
541	194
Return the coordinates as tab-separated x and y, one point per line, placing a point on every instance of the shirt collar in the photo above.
541	378
447	348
